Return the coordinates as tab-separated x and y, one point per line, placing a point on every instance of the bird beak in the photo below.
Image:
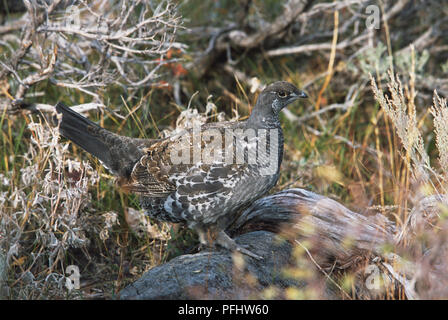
302	95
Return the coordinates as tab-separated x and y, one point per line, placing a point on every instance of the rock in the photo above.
215	274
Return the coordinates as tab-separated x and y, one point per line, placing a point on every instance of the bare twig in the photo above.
315	47
91	44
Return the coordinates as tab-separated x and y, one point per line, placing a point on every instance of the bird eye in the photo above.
282	94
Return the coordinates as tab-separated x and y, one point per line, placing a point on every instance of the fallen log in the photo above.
335	242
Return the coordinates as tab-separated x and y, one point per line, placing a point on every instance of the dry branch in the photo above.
315	47
304	214
46	108
88	45
273	30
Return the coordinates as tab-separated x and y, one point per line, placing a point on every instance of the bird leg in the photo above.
225	241
213	237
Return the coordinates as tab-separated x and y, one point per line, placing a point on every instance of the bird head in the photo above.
273	99
279	94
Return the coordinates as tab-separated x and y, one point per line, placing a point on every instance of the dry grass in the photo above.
377	149
41	205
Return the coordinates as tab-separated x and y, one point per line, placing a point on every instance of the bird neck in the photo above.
269	121
263	118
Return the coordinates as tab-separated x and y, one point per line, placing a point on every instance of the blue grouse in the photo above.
179	180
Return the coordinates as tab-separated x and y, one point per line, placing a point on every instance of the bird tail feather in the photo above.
117	153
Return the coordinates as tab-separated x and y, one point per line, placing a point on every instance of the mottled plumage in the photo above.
207	190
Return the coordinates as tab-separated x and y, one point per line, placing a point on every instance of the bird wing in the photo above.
211	189
150	175
191	186
202	195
